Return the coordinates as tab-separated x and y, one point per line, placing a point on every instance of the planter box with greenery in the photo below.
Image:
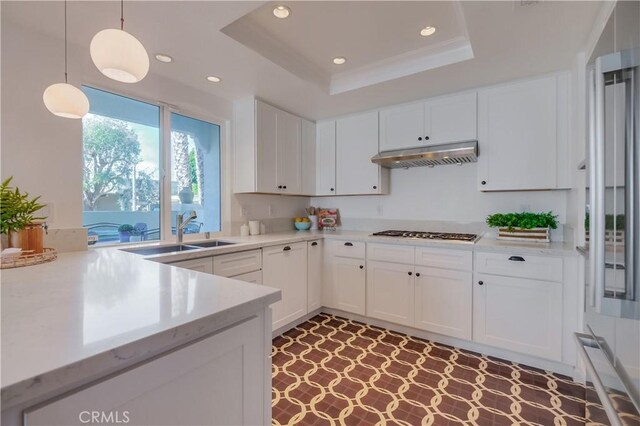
523	226
125	231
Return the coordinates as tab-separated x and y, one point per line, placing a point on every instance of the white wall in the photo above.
44	152
443	193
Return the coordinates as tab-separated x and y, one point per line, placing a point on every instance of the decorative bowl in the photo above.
302	226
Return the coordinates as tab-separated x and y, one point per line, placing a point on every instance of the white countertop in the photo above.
91	313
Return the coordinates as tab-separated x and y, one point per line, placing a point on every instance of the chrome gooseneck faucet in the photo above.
182	222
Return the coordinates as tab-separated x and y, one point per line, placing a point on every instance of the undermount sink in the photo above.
147	251
210	244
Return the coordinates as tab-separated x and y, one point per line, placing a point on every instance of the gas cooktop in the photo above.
420	235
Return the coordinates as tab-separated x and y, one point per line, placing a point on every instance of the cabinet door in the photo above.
443	301
518	314
390	292
314	274
266	141
451	119
285	267
326	158
346	289
522	134
356	143
200	265
308	169
402	127
216	381
289	170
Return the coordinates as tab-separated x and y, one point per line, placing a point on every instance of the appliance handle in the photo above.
591	273
586	340
597	215
631	176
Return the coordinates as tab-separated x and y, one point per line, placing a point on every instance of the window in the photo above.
195	172
123	148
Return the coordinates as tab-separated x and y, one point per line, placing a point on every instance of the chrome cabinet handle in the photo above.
516	259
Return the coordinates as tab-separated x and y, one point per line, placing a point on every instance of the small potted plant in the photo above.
17	221
136	235
125	231
523	226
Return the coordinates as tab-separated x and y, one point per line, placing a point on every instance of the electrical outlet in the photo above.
244	211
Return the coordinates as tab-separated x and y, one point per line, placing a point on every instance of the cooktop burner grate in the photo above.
446	236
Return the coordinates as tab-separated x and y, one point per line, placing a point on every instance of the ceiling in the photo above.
508	41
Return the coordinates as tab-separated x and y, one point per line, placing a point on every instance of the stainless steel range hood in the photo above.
452	153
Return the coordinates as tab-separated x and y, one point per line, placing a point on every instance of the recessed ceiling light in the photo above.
427	31
281	12
164	58
339	60
214	79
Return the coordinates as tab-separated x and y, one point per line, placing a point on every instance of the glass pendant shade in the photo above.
65	100
119	56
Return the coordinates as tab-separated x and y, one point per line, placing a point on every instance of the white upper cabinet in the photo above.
434	121
325	166
523	135
308	162
450	119
267	149
402	126
356	143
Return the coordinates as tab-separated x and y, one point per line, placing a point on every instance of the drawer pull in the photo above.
286	248
348	244
313	244
410	273
516	259
480	282
417	274
361	267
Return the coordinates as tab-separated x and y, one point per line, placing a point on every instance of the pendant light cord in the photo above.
122	15
65	41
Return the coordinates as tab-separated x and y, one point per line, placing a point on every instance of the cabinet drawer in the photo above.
390	253
520	265
444	258
353	249
254	277
229	265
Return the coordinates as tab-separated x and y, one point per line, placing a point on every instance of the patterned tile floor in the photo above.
333	371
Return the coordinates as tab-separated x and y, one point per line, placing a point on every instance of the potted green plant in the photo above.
124	232
524	226
17	221
135	235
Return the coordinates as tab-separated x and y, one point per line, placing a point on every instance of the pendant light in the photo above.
63	99
118	54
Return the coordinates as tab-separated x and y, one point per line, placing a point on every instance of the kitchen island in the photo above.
107	335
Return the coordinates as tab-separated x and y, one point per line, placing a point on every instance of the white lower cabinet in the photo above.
390	292
219	380
285	267
518	314
314	274
201	265
443	301
345	284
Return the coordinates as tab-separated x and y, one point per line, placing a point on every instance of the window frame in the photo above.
166	110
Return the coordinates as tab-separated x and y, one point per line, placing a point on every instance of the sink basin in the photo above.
206	244
147	251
